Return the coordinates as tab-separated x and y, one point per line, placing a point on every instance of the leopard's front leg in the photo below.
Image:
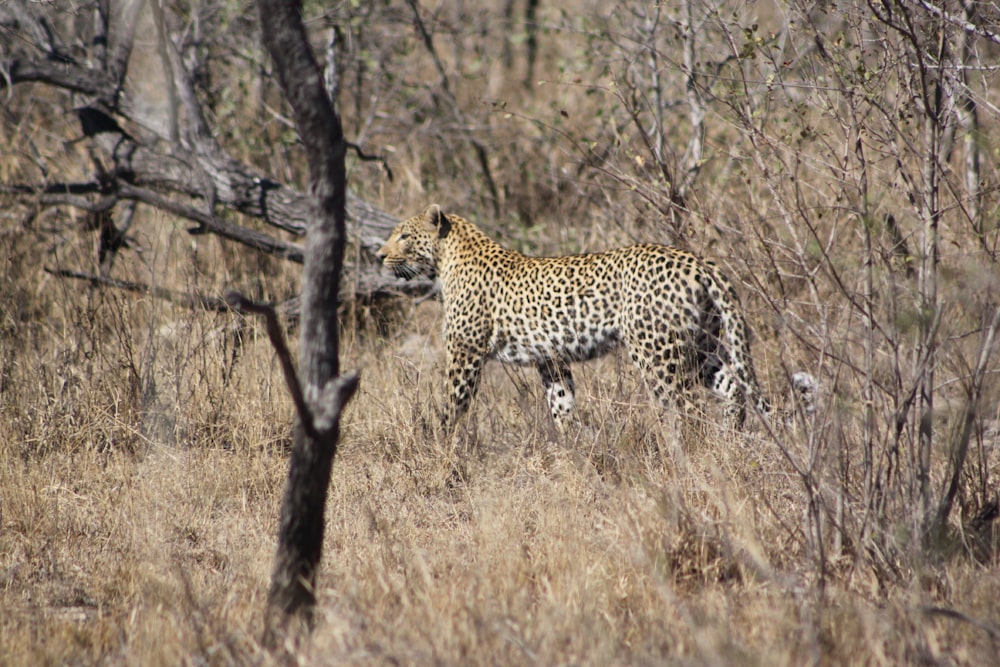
465	363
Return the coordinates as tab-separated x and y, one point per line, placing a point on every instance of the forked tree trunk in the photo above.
323	393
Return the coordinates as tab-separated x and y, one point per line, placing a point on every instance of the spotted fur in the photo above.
677	315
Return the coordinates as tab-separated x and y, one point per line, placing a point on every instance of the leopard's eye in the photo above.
403	237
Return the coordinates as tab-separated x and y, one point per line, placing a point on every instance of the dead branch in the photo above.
197	301
162	173
276	335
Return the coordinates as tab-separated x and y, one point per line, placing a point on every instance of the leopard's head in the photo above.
412	248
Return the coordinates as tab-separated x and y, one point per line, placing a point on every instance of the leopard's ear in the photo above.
439	220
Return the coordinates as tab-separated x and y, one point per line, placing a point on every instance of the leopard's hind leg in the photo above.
558	383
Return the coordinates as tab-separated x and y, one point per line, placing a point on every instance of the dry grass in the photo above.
143	446
627	543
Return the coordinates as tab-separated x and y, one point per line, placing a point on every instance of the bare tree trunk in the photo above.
930	213
968	118
868	315
323	393
531	42
696	104
960	447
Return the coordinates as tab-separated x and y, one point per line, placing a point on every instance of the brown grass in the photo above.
143	446
123	541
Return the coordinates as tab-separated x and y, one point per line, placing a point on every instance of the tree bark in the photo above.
322	391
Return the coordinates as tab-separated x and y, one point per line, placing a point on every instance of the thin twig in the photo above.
200	301
990	629
966	26
87	187
452	103
240	303
365	157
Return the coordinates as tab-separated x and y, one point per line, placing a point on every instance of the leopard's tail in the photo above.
736	335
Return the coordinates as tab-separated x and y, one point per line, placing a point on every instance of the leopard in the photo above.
677	315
